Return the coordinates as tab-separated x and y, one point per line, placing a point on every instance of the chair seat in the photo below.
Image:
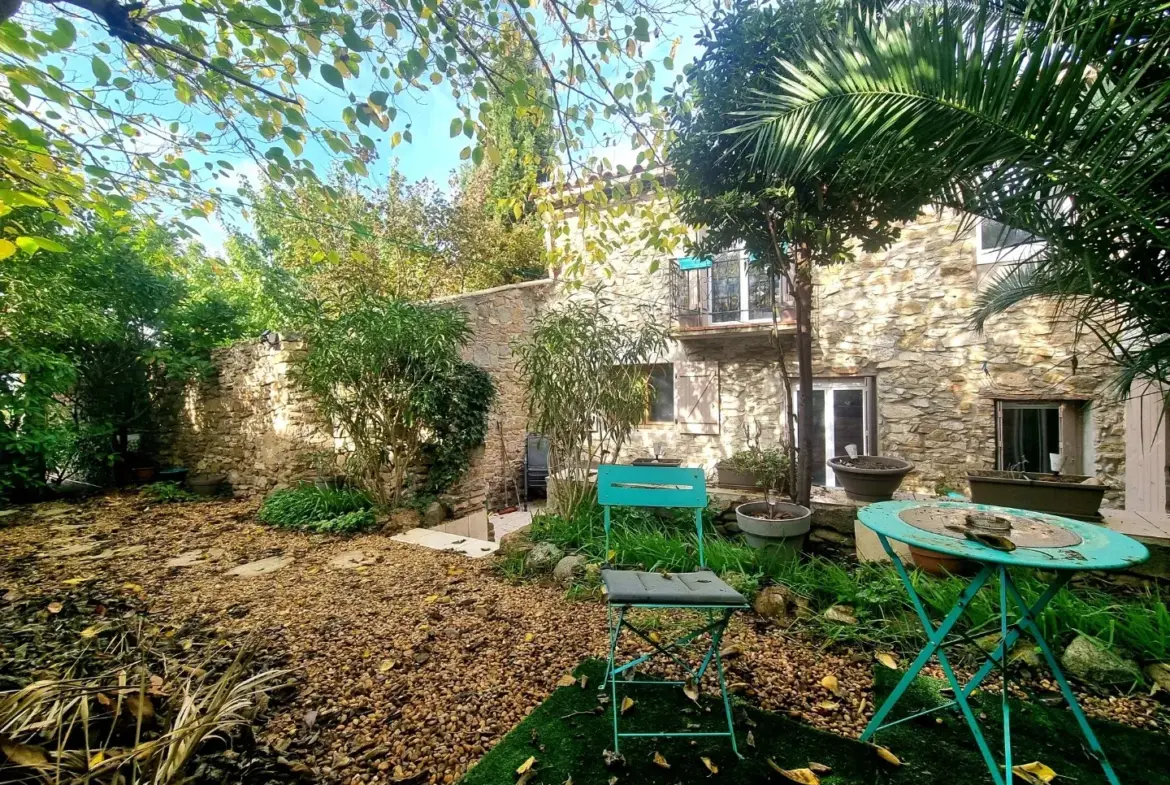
630	587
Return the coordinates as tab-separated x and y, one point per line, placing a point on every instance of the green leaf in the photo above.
65	33
101	71
379	97
30	245
456	127
331	75
192	12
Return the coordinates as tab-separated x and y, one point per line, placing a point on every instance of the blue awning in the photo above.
694	263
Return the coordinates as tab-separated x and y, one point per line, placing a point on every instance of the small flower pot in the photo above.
937	563
760	532
206	484
869	478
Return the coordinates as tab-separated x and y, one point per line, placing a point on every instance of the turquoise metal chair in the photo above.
702	591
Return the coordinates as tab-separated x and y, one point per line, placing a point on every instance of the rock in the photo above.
349	560
186	559
1159	676
435	514
832	536
779	604
1023	651
403	519
260	567
1090	662
543	557
842	614
569	569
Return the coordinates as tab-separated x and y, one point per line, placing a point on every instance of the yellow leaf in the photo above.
627	704
803	776
655	637
691	690
24	754
140	706
7	248
432	598
385	665
55	607
134	587
529	638
567	680
76	581
526	765
610	555
828	705
1034	773
887	756
831	684
92	632
660	761
97	758
711	767
751	739
887	659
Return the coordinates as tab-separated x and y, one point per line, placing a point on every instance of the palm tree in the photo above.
1049	117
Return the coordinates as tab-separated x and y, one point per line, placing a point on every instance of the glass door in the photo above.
840	417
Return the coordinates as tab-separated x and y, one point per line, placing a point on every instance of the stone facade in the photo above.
253	425
900	317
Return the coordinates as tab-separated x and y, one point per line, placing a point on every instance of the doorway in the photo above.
841	415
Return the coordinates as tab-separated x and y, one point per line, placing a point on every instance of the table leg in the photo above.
1003	669
1027	621
935	637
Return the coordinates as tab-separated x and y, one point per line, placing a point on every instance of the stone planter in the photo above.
176	475
1065	495
726	477
874	481
206	484
788	534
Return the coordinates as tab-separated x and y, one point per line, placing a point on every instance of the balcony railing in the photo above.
725	292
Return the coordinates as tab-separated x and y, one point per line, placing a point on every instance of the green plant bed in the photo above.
567	737
167	493
321	510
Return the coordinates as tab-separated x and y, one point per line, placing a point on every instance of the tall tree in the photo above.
788	225
1049	117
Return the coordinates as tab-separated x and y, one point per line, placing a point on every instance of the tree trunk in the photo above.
789	420
802	296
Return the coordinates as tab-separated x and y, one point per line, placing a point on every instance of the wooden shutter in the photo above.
1145	449
696	395
1071	439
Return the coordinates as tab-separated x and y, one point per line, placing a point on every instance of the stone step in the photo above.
445	541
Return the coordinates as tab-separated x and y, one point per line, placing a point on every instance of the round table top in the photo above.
1095	547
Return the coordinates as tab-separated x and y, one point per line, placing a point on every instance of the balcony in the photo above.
724	296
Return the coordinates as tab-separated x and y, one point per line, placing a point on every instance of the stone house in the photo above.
898	368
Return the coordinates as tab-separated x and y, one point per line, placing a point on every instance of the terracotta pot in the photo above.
143	474
788	534
937	563
871	485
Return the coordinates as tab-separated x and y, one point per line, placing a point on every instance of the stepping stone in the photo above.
186	559
215	554
74	550
6	513
442	541
261	567
350	560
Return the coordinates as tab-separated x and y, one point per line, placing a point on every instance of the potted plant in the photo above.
206	484
738	471
771	523
1070	495
869	478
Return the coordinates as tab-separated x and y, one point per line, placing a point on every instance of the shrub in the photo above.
769	466
328	511
166	493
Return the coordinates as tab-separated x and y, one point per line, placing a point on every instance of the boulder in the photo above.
569	569
543	557
780	604
1090	662
435	514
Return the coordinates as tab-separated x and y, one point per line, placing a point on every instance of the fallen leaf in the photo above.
887	756
134	587
627	704
55	607
612	758
1034	773
803	776
566	681
831	684
568	780
1159	675
613	780
819	768
93	631
711	767
660	761
583	680
751	739
97	758
526	765
386	665
529	637
828	705
310	718
655	637
140	706
76	581
691	690
610	555
431	599
731	652
887	659
842	614
24	754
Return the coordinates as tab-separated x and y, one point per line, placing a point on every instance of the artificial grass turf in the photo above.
931	751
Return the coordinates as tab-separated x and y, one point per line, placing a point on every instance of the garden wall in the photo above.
253	425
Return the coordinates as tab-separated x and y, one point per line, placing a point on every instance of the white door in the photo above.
840	417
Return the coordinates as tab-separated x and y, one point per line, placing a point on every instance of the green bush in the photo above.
166	493
1136	622
309	508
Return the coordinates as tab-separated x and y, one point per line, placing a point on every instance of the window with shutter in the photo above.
696	391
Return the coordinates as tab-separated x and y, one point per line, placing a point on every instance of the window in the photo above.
1029	433
999	247
661	404
740	291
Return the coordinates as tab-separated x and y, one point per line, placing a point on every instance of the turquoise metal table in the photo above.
1046	542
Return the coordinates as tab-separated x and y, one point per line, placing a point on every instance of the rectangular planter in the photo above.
727	477
1027	491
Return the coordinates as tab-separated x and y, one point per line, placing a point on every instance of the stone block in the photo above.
869	547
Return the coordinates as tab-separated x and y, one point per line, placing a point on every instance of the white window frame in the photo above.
990	260
744	305
829	385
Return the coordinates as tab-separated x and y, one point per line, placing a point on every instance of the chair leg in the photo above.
615	633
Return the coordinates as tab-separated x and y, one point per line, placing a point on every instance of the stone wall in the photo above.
253	425
902	316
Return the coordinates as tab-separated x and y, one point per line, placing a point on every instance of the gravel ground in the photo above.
415	664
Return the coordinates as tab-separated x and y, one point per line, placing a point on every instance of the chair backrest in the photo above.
652	486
